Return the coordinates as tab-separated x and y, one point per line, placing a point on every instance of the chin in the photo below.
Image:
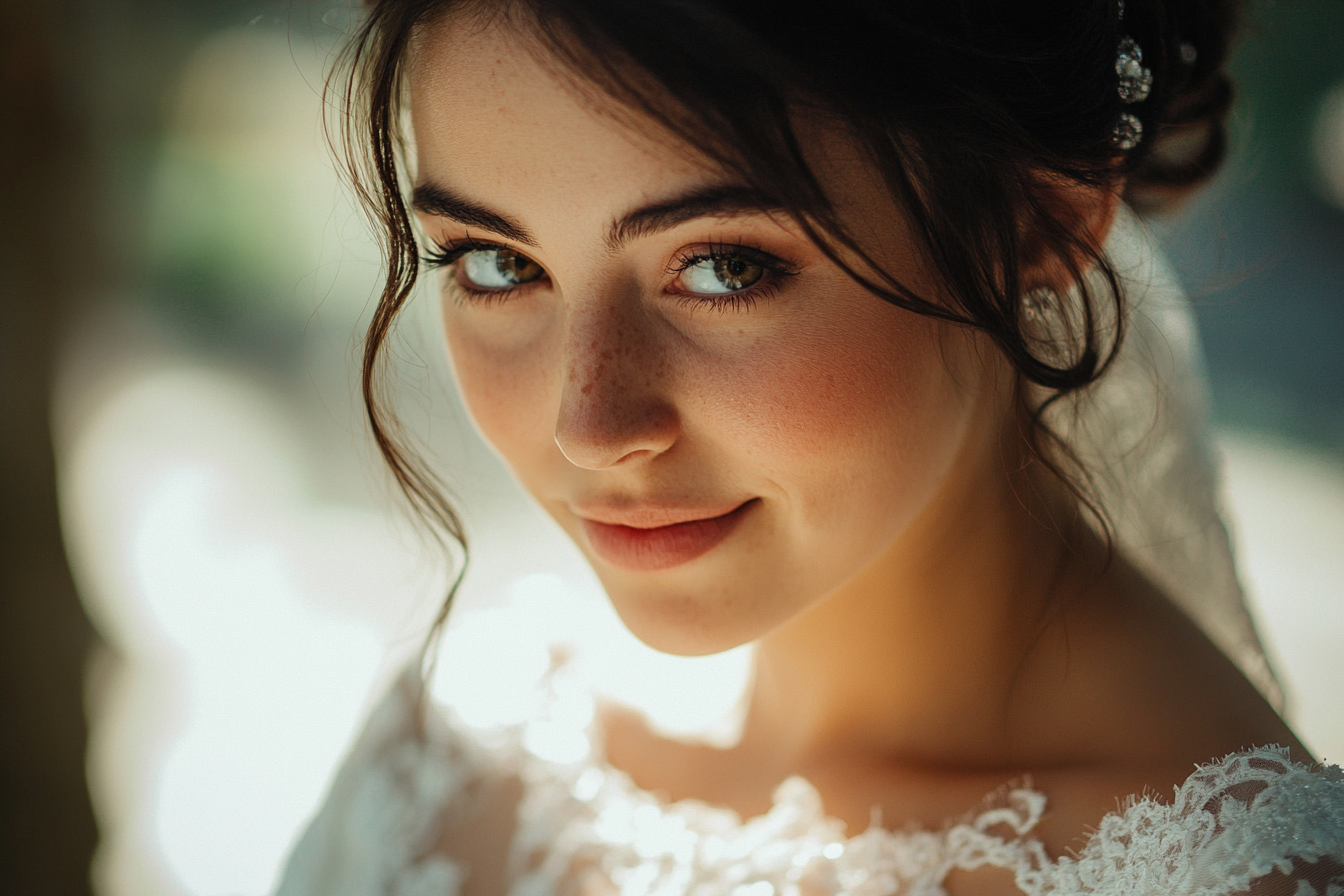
679	624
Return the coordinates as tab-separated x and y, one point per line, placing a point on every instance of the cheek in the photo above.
806	399
865	414
505	387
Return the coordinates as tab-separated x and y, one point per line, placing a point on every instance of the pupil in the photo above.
736	273
514	267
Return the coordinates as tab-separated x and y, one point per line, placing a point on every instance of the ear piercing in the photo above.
1035	303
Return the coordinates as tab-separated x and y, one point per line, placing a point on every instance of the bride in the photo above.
830	330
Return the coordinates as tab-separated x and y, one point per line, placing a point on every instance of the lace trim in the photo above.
586	827
1230	824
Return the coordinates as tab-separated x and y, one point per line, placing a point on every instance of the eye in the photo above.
721	274
489	269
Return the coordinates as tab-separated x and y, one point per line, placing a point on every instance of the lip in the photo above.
653	538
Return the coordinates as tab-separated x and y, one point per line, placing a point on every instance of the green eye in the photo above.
497	269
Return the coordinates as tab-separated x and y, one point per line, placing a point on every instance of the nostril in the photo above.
596	432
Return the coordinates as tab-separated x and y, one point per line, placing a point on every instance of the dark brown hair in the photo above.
969	109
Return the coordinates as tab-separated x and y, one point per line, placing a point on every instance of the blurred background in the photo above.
187	649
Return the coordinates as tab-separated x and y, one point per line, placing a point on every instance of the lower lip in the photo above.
645	550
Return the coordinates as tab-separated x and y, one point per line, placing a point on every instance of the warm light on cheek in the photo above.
878	381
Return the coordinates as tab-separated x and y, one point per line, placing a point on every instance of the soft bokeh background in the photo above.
237	548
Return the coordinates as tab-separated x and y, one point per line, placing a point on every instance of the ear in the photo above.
1085	210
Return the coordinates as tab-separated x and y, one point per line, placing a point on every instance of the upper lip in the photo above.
650	515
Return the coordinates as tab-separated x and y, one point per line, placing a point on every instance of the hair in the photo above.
971	110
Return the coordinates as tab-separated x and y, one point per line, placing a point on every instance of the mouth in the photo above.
646	548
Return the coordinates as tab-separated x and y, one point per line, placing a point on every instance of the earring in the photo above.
1035	303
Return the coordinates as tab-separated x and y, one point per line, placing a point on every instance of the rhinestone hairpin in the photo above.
1136	82
1128	131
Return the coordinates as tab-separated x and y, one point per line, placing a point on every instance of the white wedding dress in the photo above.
407	812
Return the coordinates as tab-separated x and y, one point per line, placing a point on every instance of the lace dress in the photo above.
1251	822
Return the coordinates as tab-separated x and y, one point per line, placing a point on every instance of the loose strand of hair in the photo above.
370	145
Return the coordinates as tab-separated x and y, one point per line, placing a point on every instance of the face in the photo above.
726	424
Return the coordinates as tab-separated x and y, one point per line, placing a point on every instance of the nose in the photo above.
614	409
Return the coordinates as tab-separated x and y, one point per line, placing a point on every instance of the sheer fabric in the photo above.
417	808
1141	433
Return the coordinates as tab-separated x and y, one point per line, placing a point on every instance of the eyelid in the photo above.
777	270
447	252
712	251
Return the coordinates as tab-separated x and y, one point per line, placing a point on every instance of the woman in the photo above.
825	330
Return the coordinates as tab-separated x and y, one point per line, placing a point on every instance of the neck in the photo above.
918	657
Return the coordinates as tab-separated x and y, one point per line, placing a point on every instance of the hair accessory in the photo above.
1136	82
1189	55
1128	131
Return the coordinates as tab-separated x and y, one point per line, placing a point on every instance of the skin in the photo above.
933	619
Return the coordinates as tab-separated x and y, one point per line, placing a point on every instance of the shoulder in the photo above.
386	810
1253	823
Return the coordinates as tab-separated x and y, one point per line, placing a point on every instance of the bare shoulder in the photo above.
1122	676
1133	698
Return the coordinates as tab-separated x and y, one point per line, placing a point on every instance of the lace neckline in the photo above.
591	811
584	826
581	811
568	739
797	828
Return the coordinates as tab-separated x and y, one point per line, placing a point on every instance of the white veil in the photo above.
1143	429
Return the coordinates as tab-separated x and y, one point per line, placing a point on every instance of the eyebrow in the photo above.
714	201
711	202
432	199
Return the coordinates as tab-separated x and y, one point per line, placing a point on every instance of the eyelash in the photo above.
776	269
444	255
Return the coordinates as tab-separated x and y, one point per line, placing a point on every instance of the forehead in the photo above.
494	115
